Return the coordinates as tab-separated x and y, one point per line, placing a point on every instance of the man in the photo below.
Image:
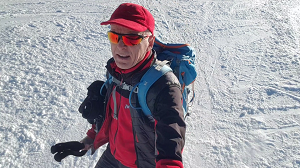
133	140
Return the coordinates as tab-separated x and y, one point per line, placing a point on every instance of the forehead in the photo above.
122	29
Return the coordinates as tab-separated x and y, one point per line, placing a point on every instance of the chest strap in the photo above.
124	85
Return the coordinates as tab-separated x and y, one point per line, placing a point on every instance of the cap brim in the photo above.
127	23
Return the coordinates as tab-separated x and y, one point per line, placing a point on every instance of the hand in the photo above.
62	150
88	144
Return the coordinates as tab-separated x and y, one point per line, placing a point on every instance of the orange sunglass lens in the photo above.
131	40
113	38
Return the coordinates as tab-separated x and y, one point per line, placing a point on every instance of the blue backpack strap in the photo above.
152	75
109	80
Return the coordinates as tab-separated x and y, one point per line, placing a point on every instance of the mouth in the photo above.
123	56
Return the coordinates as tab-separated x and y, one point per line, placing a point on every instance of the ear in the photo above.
151	40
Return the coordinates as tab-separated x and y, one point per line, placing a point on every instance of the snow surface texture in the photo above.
247	108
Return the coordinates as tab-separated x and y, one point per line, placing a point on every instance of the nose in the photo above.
121	43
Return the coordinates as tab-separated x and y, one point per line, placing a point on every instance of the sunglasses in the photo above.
128	39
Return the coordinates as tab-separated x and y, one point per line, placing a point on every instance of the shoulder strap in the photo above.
152	75
149	78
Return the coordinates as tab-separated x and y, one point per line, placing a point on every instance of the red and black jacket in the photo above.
134	140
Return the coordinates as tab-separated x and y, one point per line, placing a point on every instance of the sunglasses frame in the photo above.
120	36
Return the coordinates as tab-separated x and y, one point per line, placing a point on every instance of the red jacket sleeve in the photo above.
166	163
91	132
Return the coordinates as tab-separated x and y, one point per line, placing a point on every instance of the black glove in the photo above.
93	105
62	150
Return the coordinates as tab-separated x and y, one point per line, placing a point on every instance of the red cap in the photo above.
132	16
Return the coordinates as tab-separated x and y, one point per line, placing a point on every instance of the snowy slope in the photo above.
247	108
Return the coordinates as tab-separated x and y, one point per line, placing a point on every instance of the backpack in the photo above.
181	58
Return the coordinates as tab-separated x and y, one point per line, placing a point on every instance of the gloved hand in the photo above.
62	150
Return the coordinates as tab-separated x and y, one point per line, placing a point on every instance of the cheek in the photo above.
112	47
138	53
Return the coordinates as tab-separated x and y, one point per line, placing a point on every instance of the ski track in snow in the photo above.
247	107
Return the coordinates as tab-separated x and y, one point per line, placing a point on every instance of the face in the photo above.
127	57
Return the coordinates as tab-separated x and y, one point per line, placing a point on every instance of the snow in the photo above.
247	107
